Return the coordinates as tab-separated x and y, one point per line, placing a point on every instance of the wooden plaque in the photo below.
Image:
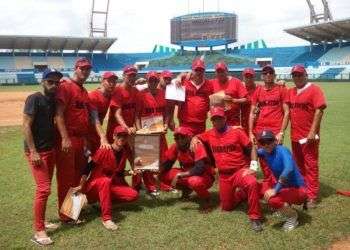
147	151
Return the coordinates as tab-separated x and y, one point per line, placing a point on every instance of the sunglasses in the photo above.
84	68
268	73
297	75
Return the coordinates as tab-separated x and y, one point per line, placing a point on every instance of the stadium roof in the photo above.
332	31
55	43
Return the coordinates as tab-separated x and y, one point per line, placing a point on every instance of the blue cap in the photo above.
266	135
49	72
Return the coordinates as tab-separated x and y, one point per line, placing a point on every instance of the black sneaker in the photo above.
256	225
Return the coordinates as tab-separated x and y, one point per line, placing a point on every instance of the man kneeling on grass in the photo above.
194	174
289	187
106	181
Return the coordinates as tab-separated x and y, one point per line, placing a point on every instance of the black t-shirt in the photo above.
42	109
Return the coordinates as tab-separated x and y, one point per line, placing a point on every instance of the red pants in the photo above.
148	179
196	128
42	175
104	190
93	141
286	195
248	188
69	168
199	184
306	157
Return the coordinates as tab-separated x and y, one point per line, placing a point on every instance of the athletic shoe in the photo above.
154	193
290	224
110	225
256	225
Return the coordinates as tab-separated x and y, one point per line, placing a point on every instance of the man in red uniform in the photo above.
165	78
151	108
248	76
235	93
39	147
123	103
231	149
100	99
193	112
72	118
273	112
194	174
307	103
106	182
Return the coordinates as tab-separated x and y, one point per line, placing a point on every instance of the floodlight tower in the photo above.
325	16
95	29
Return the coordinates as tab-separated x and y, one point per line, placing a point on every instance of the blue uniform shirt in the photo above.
283	167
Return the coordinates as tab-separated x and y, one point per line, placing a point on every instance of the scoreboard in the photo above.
204	29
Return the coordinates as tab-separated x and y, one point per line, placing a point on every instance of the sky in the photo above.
139	25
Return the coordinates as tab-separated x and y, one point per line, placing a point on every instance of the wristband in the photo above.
253	165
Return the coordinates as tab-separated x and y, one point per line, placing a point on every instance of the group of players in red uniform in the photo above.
63	127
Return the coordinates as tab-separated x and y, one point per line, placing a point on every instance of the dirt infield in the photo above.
11	107
341	245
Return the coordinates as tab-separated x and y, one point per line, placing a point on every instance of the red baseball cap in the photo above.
108	75
183	131
221	66
248	71
129	69
83	62
198	64
152	74
268	68
298	69
167	74
120	130
217	111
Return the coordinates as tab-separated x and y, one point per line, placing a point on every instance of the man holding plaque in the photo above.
151	117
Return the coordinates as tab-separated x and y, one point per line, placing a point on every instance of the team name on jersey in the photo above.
224	148
197	93
269	103
80	105
129	105
154	110
303	106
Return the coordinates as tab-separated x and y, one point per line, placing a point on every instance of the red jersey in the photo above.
270	103
75	98
246	107
125	99
148	105
100	102
109	162
302	109
227	148
234	88
196	105
188	158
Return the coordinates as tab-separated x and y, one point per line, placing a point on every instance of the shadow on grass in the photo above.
326	191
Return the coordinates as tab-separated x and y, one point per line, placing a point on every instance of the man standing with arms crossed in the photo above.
39	142
72	118
248	76
307	104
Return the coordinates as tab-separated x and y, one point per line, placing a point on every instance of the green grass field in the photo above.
168	223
